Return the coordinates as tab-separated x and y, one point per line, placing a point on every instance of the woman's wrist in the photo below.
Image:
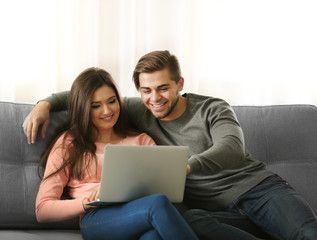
85	201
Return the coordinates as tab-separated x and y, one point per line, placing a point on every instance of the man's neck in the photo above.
178	110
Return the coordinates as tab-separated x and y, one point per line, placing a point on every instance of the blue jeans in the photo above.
152	217
272	208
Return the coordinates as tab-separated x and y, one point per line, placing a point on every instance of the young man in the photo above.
227	190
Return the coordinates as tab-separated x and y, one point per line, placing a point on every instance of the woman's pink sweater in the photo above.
49	206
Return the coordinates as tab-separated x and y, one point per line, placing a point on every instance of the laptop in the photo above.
132	172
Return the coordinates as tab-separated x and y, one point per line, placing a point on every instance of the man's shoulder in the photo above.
135	109
204	99
133	104
132	101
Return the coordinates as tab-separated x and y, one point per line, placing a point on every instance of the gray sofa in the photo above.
283	137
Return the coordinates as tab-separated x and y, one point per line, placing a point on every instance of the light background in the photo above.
248	52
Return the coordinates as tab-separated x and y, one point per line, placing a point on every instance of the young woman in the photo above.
74	160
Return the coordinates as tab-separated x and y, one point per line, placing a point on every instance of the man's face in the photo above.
160	94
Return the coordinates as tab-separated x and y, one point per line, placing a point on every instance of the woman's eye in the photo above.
113	101
95	106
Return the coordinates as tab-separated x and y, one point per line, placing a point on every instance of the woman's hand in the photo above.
94	195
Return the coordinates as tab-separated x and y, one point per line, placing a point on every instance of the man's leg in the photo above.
207	226
279	210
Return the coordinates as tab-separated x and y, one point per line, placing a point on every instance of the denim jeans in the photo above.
152	217
272	208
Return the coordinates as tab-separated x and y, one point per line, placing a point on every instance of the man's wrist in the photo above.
45	104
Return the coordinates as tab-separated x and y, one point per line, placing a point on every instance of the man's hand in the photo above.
188	170
40	115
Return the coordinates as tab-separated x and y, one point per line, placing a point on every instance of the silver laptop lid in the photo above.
131	172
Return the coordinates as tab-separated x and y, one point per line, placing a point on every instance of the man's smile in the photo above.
158	106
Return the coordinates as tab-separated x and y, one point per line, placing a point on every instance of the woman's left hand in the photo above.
94	195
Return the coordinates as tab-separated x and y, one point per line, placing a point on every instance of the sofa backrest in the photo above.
19	180
285	139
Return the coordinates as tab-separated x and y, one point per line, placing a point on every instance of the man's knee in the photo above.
196	217
308	232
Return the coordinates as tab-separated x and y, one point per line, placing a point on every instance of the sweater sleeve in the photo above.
58	101
227	150
49	206
146	140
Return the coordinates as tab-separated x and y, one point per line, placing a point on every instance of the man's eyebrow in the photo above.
164	85
144	87
160	86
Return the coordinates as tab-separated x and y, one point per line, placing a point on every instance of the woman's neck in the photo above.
108	137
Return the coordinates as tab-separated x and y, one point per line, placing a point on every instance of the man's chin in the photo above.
161	115
158	115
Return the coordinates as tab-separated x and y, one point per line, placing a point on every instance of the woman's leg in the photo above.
135	218
151	235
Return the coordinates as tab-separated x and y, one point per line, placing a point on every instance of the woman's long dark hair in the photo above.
79	126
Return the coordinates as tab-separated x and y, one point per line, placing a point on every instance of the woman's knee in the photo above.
159	204
159	200
151	235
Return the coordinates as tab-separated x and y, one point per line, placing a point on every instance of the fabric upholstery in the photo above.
283	137
19	180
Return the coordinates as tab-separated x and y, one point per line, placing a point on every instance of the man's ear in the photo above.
181	84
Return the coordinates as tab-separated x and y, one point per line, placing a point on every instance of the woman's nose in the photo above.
106	109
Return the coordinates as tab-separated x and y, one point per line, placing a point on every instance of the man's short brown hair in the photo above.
155	61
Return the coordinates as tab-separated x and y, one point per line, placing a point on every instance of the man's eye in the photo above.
164	89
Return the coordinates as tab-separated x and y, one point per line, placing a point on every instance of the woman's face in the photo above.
105	108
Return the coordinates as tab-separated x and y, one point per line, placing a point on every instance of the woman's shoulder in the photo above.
64	140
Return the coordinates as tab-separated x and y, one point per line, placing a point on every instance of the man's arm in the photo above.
58	101
40	115
227	152
228	149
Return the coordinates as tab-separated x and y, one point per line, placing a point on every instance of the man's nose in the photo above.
155	96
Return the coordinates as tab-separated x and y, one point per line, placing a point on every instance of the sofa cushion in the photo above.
19	169
284	138
40	234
